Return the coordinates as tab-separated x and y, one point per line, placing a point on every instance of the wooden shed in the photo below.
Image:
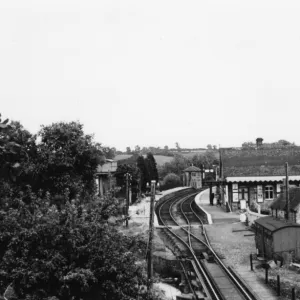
275	237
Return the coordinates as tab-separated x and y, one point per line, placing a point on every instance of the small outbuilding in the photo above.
105	179
274	238
192	177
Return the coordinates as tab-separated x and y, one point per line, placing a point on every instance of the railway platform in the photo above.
218	215
230	222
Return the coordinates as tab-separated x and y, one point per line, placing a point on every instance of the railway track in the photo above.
206	275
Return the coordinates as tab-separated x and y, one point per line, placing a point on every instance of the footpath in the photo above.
228	238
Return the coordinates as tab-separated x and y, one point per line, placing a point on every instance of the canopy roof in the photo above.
260	178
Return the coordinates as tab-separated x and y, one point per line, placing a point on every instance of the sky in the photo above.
153	73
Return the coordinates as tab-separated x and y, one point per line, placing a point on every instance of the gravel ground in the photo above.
233	247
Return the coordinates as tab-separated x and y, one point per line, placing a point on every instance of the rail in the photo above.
214	291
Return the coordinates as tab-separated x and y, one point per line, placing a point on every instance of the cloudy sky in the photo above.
154	72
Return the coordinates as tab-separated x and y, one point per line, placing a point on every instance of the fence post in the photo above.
251	262
293	294
278	285
267	273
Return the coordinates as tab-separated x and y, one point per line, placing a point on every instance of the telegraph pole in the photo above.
151	233
128	177
287	192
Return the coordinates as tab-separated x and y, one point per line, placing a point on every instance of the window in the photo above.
269	192
243	193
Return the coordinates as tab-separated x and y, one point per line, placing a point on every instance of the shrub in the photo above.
68	253
171	181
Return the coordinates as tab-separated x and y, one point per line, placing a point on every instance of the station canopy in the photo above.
261	178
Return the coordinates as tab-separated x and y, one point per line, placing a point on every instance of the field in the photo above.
162	159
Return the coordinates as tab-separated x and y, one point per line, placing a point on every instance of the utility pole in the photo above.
287	192
128	177
151	233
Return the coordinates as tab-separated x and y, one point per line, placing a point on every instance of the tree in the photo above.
248	145
284	143
209	147
137	149
128	150
178	146
207	160
171	181
71	253
143	178
13	150
67	158
176	166
108	152
152	167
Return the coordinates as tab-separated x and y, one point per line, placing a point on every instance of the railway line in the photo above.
205	274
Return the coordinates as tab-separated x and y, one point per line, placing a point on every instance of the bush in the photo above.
68	253
171	181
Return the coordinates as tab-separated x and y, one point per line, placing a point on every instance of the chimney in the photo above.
259	142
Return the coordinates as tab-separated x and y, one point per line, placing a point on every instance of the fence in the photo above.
252	216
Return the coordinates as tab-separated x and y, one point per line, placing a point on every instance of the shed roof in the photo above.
280	201
192	169
273	224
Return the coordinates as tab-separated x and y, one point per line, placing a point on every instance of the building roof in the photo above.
273	224
261	161
260	178
280	201
192	169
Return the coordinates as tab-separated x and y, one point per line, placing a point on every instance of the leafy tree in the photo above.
143	173
137	149
284	143
128	150
108	152
13	150
178	146
72	253
209	147
179	163
176	166
67	158
207	160
151	167
171	181
249	145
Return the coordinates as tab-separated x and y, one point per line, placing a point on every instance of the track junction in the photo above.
181	222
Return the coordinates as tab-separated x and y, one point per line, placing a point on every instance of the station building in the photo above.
255	172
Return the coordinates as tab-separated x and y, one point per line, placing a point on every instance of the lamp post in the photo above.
151	233
128	178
